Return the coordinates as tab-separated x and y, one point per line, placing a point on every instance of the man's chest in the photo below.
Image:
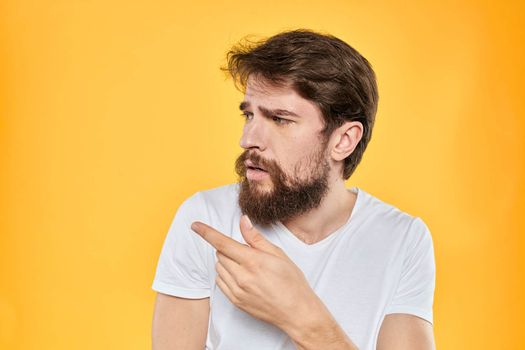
355	295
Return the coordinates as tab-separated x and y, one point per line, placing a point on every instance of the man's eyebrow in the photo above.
269	112
244	105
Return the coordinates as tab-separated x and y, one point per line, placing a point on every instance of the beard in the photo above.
288	196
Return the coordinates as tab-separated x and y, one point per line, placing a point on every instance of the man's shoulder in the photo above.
217	198
383	216
220	193
389	221
379	208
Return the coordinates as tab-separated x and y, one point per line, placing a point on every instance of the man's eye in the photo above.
246	115
280	120
276	119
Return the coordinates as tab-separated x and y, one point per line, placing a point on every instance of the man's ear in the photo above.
345	139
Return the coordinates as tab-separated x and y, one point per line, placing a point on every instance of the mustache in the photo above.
255	159
270	166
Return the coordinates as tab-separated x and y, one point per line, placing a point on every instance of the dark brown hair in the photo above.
320	68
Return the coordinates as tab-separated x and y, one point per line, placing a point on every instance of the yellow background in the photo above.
113	112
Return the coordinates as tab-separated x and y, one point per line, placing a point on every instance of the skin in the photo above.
258	277
249	275
179	323
291	142
284	201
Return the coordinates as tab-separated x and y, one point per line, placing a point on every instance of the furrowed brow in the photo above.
269	112
282	112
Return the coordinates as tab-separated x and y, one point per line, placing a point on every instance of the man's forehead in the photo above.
256	84
261	93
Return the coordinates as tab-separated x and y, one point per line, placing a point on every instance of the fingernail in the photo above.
248	221
195	226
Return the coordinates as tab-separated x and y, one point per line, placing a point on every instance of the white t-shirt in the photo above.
380	262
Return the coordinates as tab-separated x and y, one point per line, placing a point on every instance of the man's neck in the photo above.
333	212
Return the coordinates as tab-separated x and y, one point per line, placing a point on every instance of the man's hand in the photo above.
259	278
262	280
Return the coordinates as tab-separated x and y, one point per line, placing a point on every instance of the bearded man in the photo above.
288	257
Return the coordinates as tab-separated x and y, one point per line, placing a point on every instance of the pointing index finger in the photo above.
224	244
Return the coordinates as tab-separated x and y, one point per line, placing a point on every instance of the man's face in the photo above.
289	149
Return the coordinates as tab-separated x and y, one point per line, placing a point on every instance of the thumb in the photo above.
255	239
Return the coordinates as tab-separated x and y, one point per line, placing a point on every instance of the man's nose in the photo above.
254	134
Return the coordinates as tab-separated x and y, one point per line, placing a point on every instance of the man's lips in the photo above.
250	165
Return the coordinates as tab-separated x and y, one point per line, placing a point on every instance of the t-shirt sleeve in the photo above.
415	292
182	268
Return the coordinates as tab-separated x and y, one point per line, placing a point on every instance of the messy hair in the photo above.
320	68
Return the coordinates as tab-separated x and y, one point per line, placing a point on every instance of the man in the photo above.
288	257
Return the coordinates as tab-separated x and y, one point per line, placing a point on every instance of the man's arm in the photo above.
318	330
405	332
179	323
